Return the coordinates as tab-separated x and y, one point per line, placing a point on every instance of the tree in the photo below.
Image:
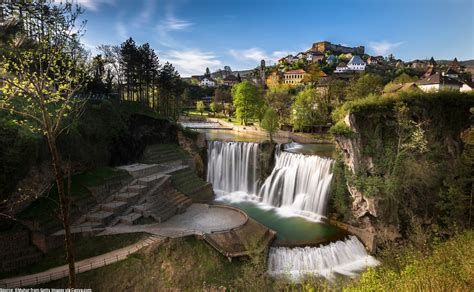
365	85
215	107
279	98
39	87
270	122
170	90
308	109
247	101
314	73
401	79
200	107
207	73
337	91
222	95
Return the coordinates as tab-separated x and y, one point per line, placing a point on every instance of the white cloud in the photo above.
252	54
192	61
172	23
93	4
383	47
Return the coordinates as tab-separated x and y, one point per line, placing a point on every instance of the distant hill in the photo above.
466	63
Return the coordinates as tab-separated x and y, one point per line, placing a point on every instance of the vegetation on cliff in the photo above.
410	158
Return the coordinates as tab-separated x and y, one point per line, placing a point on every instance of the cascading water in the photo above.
341	257
232	167
298	182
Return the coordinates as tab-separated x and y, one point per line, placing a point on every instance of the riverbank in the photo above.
255	130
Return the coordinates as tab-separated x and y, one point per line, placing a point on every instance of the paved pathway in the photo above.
198	219
81	266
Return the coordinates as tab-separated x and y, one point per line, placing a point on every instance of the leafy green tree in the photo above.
216	107
314	73
308	109
270	122
247	100
337	91
39	88
200	107
365	85
279	98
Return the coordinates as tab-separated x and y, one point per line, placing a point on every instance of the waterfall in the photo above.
298	182
232	167
341	257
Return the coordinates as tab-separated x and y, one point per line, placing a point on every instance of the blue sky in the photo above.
195	34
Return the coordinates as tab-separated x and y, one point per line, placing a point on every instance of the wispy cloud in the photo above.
383	47
169	24
172	23
192	61
252	54
93	4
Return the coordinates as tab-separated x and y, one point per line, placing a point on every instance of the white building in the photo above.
356	64
437	82
467	86
207	82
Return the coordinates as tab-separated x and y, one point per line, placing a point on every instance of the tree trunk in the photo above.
64	207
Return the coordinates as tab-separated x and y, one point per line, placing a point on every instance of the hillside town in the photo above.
325	61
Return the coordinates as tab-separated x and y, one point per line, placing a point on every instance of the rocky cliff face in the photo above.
404	162
363	208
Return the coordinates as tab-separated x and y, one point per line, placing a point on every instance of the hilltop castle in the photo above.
324	46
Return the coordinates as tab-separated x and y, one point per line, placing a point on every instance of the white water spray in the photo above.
342	257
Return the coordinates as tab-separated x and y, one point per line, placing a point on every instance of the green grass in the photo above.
186	181
186	263
161	153
83	248
195	113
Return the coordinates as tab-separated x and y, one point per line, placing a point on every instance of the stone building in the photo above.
294	77
324	46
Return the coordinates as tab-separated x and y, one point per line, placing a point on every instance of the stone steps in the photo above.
130	218
140	170
101	216
127	197
151	179
115	207
137	188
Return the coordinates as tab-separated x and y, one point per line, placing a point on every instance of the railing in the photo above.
37	279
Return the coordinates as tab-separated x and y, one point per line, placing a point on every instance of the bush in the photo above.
341	129
448	268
